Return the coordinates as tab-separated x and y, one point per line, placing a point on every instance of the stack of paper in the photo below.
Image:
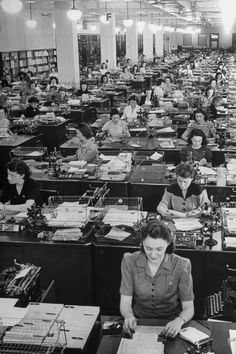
207	171
120	217
187	224
117	234
144	341
156	156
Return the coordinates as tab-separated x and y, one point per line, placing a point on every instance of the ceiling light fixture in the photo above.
12	6
31	23
74	14
128	22
104	18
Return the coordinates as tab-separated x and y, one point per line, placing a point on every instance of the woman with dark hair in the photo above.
21	191
184	198
7	82
87	149
53	81
116	128
158	282
126	75
83	89
196	151
131	111
200	121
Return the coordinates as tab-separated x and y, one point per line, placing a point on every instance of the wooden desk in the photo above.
53	135
220	334
69	264
6	145
150	181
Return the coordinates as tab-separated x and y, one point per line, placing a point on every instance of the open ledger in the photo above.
144	341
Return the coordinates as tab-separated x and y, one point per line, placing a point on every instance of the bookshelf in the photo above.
38	61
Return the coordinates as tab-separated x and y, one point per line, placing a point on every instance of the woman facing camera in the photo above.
200	121
21	191
156	283
183	198
116	128
196	152
87	150
131	111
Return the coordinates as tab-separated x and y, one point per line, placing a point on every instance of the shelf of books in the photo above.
38	61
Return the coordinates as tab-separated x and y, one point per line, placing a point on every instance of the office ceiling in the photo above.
166	12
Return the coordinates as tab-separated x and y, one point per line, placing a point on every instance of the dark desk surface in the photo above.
16	140
220	334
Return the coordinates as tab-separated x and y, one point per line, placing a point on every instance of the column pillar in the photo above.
148	43
132	43
67	46
159	44
108	42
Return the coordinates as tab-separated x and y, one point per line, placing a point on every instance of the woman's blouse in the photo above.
116	131
30	190
207	127
87	152
173	199
4	126
126	76
131	115
190	154
157	296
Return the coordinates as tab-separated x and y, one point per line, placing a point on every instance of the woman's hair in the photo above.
85	130
33	99
18	166
135	66
185	170
133	98
32	82
125	67
53	78
102	78
4	108
104	64
29	72
84	83
208	89
159	82
200	110
114	111
216	99
155	230
217	74
197	132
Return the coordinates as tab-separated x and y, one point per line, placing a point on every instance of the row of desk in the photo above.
89	273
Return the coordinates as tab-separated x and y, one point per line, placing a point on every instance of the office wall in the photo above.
15	35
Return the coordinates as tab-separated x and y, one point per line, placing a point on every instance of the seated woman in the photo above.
32	89
87	150
103	69
216	102
208	96
116	128
7	81
157	281
126	75
200	122
4	123
53	81
21	191
62	96
33	108
131	111
83	89
196	150
184	198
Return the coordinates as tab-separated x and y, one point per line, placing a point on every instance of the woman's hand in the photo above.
172	328
129	325
194	213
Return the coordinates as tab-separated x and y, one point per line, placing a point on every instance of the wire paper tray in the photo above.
69	211
121	211
31	336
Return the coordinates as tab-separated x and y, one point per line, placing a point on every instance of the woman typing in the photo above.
156	281
184	198
116	128
21	191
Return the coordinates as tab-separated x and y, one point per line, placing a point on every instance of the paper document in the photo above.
207	170
117	234
79	164
156	156
187	224
35	153
166	130
232	336
167	144
120	217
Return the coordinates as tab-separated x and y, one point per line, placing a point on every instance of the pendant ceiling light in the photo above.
140	24
128	22
31	23
104	18
74	14
12	6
